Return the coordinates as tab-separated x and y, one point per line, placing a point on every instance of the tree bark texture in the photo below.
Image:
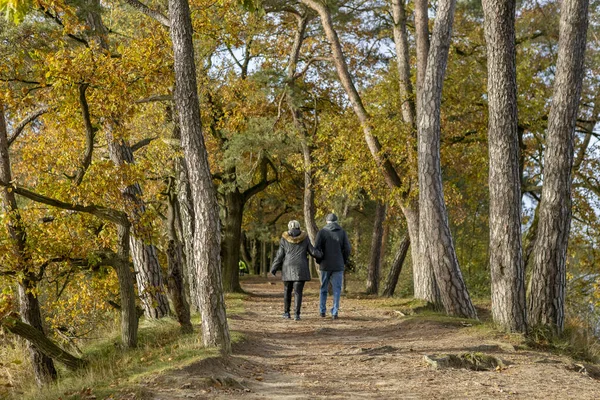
403	55
435	240
175	281
422	39
396	268
232	235
187	217
29	306
207	235
373	272
129	317
425	287
148	275
42	343
506	263
547	297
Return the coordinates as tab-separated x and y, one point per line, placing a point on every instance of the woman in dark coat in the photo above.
292	259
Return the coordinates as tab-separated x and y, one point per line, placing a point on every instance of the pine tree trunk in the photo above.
232	234
435	240
506	263
376	243
547	297
425	286
43	366
392	278
207	238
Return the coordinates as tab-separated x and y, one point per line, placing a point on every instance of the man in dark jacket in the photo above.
292	259
333	242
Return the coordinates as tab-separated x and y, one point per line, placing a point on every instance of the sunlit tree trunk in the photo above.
207	234
423	278
436	244
506	263
547	297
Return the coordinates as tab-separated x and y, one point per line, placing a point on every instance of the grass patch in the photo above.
576	342
115	372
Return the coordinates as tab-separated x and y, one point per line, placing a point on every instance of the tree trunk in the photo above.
186	215
175	282
37	338
547	297
263	258
232	234
129	317
422	34
207	238
29	308
43	366
425	286
145	259
255	258
376	240
506	263
436	244
396	269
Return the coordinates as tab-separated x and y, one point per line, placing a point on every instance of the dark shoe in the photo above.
286	315
322	315
297	317
334	317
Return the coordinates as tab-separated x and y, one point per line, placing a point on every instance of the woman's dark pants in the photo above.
298	287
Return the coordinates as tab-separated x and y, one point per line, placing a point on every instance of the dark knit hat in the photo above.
331	218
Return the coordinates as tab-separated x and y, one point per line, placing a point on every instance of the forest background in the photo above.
102	222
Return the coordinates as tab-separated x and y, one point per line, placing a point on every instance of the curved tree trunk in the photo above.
506	263
37	338
435	240
376	242
207	235
29	306
392	279
547	298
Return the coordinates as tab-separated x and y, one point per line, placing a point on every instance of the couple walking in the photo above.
331	252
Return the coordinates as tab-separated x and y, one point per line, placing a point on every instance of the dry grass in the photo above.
112	371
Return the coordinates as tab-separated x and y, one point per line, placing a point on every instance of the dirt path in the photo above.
368	353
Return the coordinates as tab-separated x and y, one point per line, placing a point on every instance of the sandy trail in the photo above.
368	353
